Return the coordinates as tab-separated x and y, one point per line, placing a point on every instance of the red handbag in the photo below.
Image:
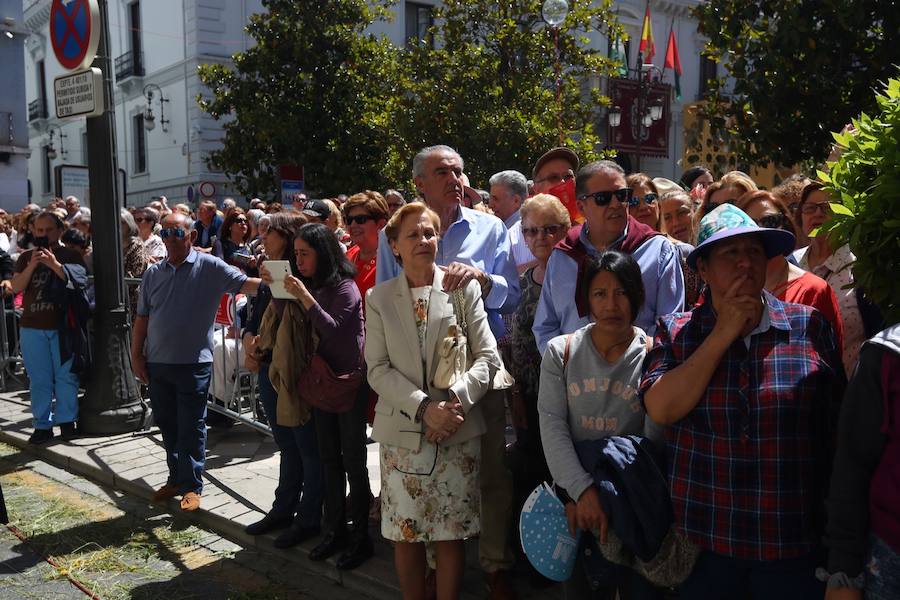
318	386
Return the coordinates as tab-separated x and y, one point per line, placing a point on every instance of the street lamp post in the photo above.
149	118
51	151
112	403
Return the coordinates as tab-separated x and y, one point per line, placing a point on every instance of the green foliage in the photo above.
313	91
353	109
866	180
801	68
488	86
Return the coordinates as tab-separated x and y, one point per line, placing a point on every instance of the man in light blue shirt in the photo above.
171	349
473	245
602	199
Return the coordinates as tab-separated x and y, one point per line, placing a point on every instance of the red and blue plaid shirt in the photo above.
749	464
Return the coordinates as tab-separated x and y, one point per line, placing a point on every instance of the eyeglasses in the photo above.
243	221
775	221
433	464
604	198
556	178
360	219
649	199
813	208
179	233
141	220
547	230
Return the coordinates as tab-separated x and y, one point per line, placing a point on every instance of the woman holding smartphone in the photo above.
326	289
298	497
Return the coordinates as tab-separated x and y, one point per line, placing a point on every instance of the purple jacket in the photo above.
338	318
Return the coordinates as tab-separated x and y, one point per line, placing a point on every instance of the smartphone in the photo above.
241	259
279	269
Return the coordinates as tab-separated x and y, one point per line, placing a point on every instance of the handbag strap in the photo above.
566	351
456	298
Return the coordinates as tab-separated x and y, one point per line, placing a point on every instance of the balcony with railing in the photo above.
130	64
37	109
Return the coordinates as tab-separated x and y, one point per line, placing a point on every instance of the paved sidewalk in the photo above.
240	479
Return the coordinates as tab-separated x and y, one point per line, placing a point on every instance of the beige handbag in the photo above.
453	351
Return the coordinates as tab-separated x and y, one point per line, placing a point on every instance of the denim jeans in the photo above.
882	571
722	577
178	397
300	470
342	446
49	378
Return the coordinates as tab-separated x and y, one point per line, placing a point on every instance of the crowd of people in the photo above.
706	321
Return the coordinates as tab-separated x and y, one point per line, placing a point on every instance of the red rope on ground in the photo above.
87	592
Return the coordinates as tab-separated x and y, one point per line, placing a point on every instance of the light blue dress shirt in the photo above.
475	239
557	313
181	303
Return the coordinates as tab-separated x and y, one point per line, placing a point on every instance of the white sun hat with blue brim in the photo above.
726	221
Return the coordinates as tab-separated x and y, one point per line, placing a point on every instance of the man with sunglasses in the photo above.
171	349
602	198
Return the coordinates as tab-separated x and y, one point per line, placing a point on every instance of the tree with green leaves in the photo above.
314	91
865	182
487	85
800	69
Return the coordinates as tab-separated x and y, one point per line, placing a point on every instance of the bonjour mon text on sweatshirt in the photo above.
589	399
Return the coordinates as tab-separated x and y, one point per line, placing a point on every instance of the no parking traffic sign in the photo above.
75	32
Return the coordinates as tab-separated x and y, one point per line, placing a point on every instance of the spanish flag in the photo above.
647	48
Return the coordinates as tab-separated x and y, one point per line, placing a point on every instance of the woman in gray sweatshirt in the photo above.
588	390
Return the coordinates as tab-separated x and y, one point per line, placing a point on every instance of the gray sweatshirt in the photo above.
589	400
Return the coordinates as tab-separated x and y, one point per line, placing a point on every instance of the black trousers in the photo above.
342	450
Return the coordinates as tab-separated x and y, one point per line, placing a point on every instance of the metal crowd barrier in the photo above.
240	404
10	352
241	401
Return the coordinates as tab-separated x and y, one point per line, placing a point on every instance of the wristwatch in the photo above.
420	413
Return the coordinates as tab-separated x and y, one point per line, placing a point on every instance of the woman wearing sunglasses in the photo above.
644	203
784	280
233	246
365	214
545	222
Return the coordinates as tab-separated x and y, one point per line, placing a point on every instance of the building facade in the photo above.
164	138
14	142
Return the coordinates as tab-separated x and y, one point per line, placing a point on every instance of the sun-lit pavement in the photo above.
242	471
109	545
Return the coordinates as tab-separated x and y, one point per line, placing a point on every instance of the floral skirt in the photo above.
432	494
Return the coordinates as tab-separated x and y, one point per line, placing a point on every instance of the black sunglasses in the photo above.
775	221
360	219
604	198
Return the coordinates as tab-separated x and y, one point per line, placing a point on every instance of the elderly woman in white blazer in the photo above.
430	446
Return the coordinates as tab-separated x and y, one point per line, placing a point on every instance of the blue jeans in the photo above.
49	378
301	484
178	397
718	577
882	571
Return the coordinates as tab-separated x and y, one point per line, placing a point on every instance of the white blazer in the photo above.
394	360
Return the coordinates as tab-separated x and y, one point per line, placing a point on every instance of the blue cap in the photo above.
726	221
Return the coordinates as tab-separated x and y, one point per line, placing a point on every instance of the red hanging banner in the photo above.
654	140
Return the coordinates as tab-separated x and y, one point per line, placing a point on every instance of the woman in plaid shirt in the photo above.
749	386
